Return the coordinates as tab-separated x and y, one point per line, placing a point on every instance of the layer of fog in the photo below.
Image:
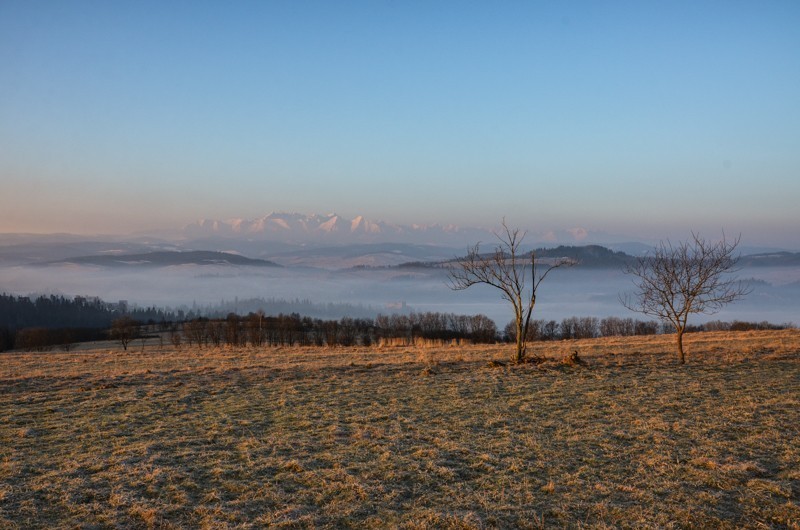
565	293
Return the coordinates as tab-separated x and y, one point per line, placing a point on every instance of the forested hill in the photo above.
169	258
597	256
587	256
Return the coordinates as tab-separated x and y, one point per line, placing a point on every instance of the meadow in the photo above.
402	437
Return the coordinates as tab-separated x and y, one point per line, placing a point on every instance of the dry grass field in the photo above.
408	438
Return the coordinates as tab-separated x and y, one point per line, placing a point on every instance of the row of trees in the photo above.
736	325
583	328
258	329
592	327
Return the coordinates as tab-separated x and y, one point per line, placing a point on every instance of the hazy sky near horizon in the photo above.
637	118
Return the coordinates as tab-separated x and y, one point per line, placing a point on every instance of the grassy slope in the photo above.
409	438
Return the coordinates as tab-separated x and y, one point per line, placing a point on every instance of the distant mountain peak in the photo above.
297	227
335	229
166	259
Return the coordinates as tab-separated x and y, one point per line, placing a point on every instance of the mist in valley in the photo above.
364	291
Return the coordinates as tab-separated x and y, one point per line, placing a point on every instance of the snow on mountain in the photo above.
331	225
359	224
301	228
296	228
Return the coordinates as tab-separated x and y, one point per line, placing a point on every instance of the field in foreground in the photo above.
203	438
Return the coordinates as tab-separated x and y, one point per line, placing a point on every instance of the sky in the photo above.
645	119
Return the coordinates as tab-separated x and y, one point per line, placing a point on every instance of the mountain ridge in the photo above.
166	258
337	229
298	227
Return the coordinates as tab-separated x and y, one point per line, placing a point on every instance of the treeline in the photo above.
46	321
257	329
584	328
592	327
737	325
53	312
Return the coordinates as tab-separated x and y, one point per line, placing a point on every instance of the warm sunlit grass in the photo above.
405	437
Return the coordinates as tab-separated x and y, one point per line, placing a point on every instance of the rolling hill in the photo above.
168	259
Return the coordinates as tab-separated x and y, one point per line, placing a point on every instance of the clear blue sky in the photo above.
642	118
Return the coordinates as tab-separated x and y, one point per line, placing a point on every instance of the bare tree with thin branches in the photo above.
691	277
124	329
513	272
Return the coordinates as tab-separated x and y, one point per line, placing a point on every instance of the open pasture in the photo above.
403	437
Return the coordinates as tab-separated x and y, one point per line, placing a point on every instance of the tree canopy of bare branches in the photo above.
691	277
124	329
511	271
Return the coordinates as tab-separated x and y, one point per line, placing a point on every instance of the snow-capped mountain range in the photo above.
331	228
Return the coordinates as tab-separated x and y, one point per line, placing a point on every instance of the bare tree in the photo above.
175	336
511	271
124	329
691	277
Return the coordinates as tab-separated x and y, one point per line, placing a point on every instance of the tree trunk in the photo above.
679	339
520	357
